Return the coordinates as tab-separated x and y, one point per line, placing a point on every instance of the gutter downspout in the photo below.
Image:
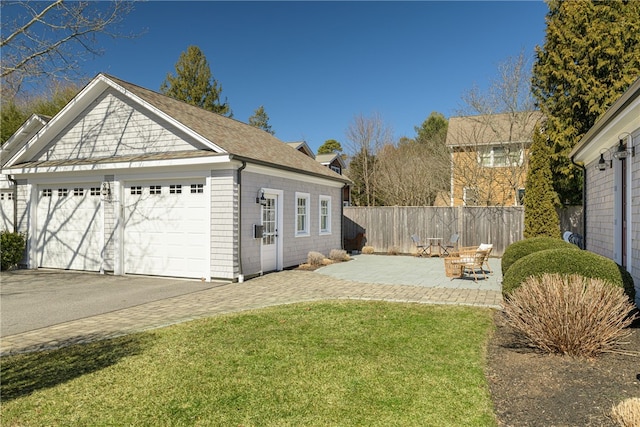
584	202
240	169
15	203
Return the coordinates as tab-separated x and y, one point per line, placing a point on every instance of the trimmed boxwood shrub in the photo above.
567	261
11	248
522	248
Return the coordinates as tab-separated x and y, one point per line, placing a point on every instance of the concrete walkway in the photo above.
397	279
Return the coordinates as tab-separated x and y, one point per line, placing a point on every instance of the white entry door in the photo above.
166	228
270	233
69	227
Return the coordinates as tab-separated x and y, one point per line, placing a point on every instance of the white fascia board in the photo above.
166	117
60	120
29	128
140	164
78	104
606	135
281	173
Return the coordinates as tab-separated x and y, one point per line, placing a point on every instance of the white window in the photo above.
197	188
175	189
136	190
78	191
500	156
46	192
336	169
155	189
302	214
325	215
95	191
470	196
63	192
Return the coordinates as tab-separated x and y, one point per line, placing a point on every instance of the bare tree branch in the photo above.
50	41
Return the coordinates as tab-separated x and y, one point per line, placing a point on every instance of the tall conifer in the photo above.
540	216
591	54
194	84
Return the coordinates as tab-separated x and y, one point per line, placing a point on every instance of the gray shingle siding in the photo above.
113	126
223	224
295	248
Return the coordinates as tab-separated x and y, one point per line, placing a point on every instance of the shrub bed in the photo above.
570	314
567	261
11	249
522	248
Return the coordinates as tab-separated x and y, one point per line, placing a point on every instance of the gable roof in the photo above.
218	133
25	132
326	159
303	147
492	128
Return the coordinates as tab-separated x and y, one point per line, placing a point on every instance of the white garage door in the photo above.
166	229
69	227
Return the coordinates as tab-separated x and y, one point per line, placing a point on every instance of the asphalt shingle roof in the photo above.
236	138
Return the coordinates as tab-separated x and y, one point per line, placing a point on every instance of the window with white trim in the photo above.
302	214
325	215
78	191
470	196
175	189
197	188
95	191
500	156
63	192
155	189
46	192
136	190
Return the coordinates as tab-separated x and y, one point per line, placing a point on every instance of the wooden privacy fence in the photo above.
390	227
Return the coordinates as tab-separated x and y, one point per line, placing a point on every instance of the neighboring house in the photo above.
333	161
302	147
488	158
336	163
7	187
610	153
127	180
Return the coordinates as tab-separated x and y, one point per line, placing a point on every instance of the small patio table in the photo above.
432	243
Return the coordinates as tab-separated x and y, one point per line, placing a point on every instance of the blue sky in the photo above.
316	65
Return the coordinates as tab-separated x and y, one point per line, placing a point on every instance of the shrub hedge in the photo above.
567	261
522	248
12	247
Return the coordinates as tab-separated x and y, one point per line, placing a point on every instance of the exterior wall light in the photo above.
602	163
622	152
106	189
260	198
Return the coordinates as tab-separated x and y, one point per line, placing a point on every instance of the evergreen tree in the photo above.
330	146
433	130
194	84
591	54
540	216
260	119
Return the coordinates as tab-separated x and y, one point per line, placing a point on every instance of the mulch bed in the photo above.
530	388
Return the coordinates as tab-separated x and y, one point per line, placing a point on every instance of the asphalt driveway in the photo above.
33	299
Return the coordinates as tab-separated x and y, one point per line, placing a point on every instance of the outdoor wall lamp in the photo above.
260	198
622	152
106	190
602	163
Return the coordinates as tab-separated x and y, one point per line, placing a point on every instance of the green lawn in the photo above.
311	364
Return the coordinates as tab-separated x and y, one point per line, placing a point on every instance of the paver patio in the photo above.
372	277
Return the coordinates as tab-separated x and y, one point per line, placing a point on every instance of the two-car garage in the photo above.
158	227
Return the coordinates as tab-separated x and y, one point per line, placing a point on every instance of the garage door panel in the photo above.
166	229
69	227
